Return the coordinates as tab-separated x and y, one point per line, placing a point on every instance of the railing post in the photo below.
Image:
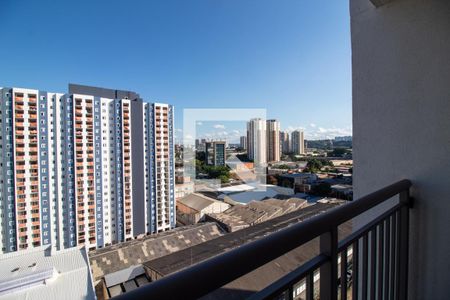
328	271
402	288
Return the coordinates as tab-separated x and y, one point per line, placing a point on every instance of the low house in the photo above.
299	178
192	208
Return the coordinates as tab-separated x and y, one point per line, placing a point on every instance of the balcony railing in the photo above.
373	260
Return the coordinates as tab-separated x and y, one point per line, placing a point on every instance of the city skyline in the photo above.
198	55
231	131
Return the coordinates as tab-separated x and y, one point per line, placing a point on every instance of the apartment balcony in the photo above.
401	128
380	270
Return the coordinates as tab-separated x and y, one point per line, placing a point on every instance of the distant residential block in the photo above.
285	142
273	140
298	142
90	167
215	153
256	141
243	142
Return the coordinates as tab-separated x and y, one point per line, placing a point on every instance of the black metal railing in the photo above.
370	263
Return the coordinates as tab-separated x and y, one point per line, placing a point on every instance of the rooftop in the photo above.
297	175
177	261
260	192
241	216
261	277
42	274
121	256
196	201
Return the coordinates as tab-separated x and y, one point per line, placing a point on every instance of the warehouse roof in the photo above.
127	254
197	201
182	259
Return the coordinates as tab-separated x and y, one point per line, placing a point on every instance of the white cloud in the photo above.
293	128
327	133
315	132
219	126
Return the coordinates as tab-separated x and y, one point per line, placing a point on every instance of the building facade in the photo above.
256	141
243	142
215	153
72	165
273	140
298	142
285	142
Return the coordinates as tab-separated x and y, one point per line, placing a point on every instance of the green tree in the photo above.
224	178
338	152
313	165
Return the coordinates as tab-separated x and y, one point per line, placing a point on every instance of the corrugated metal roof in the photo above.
196	201
177	261
124	255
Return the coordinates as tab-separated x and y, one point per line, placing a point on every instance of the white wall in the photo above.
401	116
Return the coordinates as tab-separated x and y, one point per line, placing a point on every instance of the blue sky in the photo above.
291	57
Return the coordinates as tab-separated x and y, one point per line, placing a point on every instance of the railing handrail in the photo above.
209	275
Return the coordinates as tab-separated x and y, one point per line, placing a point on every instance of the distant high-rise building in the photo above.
215	153
298	142
91	167
243	142
285	142
273	140
256	141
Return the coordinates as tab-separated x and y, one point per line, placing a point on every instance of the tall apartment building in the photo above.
215	153
93	166
256	141
273	140
298	142
285	143
243	142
